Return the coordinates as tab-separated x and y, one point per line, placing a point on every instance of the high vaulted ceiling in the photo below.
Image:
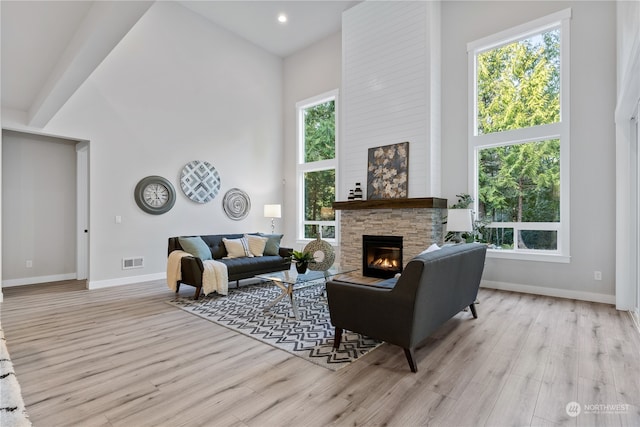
50	47
256	21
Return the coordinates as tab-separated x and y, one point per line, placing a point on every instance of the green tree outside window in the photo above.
319	185
518	86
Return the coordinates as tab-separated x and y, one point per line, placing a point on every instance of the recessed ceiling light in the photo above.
282	18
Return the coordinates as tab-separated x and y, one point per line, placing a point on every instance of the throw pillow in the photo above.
431	248
256	244
195	246
273	244
237	248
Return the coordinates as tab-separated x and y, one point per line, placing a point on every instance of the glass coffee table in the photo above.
290	281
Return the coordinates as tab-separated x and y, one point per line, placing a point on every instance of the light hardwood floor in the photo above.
123	357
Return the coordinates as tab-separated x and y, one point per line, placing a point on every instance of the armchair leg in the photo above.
411	359
177	287
197	295
473	310
337	338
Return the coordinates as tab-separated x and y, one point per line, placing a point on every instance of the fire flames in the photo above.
385	263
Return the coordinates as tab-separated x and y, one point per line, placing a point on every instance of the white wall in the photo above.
39	208
307	73
593	172
388	85
176	89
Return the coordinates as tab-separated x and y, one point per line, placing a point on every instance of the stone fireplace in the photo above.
417	220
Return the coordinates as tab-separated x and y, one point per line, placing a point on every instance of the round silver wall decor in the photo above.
154	195
236	204
323	254
200	181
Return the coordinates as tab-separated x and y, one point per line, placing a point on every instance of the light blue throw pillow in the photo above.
196	247
273	244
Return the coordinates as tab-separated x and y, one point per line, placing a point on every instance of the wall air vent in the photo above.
135	262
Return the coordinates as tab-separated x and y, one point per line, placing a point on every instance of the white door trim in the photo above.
82	211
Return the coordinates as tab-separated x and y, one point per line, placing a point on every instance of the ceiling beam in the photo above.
102	29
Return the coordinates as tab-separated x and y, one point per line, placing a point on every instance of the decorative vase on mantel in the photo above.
357	193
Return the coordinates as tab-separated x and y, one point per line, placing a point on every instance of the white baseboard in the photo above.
550	292
40	279
94	284
98	284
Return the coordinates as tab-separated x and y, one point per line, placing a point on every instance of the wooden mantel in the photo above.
419	202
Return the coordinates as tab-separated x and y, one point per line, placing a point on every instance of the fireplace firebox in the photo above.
381	256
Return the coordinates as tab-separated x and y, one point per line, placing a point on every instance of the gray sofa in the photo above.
433	287
237	268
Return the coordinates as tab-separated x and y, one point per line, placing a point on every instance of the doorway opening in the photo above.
45	206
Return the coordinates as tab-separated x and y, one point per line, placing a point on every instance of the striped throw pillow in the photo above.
237	248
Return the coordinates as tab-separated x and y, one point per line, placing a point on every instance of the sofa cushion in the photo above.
254	265
237	248
388	284
273	243
385	284
215	243
431	248
256	244
196	247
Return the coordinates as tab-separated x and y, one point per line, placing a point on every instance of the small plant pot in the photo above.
301	267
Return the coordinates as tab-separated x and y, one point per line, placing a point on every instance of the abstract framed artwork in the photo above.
388	172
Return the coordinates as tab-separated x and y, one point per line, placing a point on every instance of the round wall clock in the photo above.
200	181
155	195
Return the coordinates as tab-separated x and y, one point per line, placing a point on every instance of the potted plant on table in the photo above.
301	259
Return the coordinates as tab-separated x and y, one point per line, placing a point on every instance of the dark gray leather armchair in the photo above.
432	288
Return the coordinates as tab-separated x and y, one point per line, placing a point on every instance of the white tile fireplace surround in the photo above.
417	220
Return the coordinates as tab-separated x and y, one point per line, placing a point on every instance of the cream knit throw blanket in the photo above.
214	278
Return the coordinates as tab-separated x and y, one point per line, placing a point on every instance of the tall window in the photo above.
317	164
519	138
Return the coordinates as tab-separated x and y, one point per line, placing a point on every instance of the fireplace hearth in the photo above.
381	256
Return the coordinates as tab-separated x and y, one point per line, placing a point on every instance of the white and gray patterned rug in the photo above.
310	337
12	410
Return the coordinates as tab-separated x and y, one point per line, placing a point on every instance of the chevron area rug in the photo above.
12	410
310	338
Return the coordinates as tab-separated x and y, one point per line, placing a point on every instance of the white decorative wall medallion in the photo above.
200	181
236	204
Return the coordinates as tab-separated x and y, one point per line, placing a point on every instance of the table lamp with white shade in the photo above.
459	221
273	212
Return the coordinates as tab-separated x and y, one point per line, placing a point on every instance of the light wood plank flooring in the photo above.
123	357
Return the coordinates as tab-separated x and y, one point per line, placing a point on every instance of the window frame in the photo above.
559	130
302	167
